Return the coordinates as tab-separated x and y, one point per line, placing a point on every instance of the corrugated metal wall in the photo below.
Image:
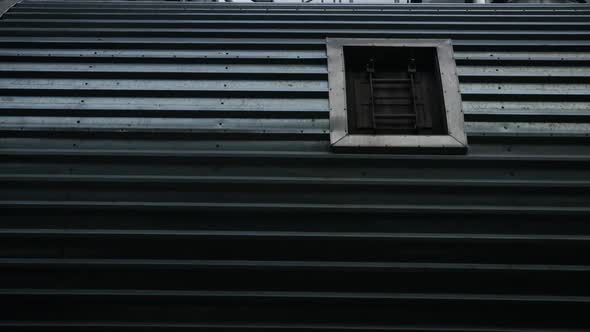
166	166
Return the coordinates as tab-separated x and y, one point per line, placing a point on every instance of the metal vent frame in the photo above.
454	142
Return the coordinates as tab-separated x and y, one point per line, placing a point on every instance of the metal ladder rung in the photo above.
398	83
393	116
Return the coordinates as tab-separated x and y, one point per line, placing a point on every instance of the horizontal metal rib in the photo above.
155	264
314	158
562	73
162	89
165	271
183	180
170	125
309	297
303	56
374	208
530	57
158	72
293	33
270	43
292	24
254	235
155	15
261	6
100	326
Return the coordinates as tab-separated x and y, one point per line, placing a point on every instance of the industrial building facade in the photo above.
167	166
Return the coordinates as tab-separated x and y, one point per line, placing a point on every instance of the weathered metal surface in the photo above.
167	166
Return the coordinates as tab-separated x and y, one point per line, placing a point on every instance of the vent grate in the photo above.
395	90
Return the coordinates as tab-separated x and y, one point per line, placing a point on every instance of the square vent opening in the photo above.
394	91
394	96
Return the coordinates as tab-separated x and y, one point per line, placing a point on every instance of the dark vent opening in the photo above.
394	90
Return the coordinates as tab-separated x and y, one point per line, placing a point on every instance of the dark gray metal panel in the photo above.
167	166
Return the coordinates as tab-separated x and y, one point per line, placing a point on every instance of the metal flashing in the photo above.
339	134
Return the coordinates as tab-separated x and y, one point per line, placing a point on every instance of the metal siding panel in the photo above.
167	166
